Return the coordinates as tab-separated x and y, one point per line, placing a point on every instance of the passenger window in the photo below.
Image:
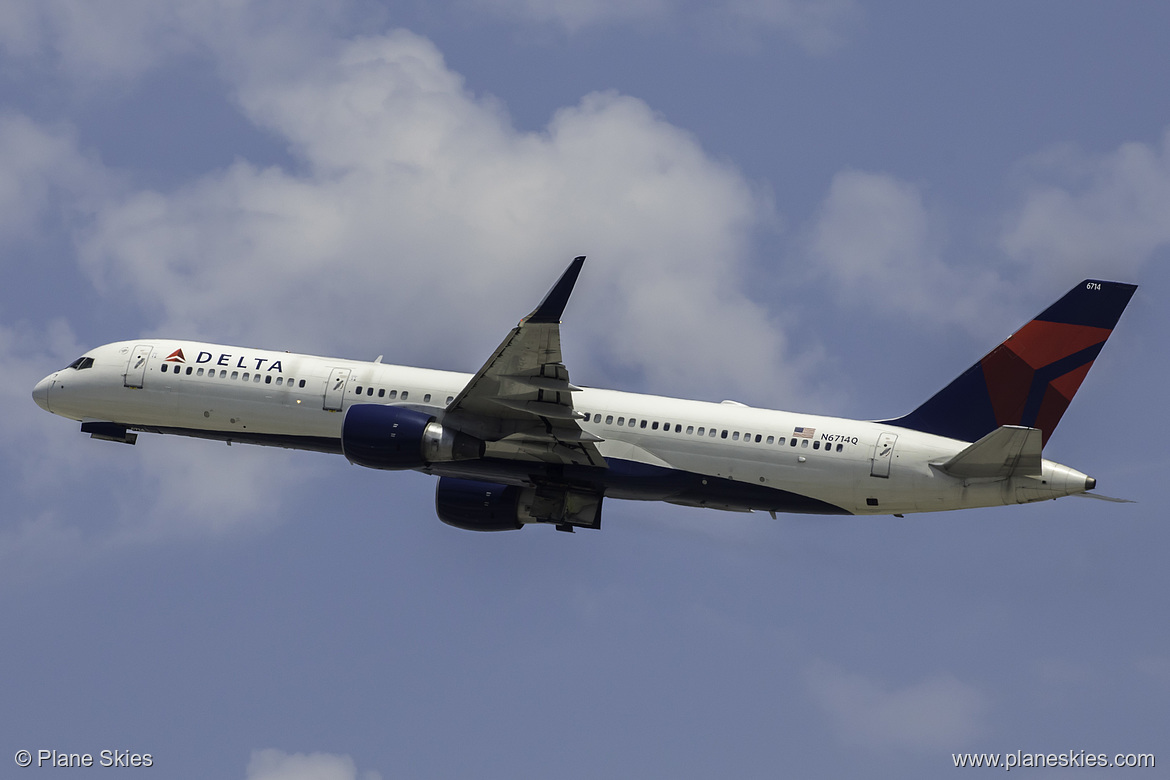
280	380
199	372
653	427
427	398
678	429
369	391
381	392
357	390
450	398
711	433
255	378
794	443
302	384
770	440
609	420
691	429
235	375
245	376
621	421
164	368
804	443
268	379
642	424
585	418
816	445
724	434
393	394
702	431
758	438
223	373
405	394
840	447
735	436
780	441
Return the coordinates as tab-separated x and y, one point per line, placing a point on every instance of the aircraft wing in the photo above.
521	401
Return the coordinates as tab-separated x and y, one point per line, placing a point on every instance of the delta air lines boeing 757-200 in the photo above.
518	443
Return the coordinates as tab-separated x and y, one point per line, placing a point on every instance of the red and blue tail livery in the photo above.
518	443
1030	379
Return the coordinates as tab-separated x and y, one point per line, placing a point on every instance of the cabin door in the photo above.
136	365
335	389
883	453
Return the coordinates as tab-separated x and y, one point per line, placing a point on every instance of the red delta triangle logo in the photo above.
175	357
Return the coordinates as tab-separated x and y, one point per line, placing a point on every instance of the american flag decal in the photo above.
804	433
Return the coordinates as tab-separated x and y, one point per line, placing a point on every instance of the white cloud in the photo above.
422	217
90	41
276	765
104	44
575	15
937	713
41	169
1087	213
879	245
818	26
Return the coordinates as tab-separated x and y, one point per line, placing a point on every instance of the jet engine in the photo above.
478	506
488	506
397	437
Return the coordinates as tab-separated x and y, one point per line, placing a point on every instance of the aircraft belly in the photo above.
645	482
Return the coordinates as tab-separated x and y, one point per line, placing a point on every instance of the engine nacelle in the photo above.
489	506
396	437
478	506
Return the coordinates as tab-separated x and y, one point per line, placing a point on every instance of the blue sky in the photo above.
825	205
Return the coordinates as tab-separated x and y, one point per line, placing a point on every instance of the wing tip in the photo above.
553	305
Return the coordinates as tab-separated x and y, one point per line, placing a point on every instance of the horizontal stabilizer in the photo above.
1010	450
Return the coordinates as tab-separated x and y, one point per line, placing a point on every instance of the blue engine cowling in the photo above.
478	506
397	437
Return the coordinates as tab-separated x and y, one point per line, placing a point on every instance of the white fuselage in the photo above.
649	442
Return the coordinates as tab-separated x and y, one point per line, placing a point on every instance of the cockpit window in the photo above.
81	362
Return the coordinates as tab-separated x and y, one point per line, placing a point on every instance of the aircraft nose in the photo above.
40	393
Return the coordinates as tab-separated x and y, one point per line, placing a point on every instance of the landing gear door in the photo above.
136	365
883	453
335	389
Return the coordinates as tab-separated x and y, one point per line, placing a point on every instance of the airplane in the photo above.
517	443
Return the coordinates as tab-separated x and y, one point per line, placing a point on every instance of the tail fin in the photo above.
1029	379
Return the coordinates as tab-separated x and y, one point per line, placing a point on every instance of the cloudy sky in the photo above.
826	205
